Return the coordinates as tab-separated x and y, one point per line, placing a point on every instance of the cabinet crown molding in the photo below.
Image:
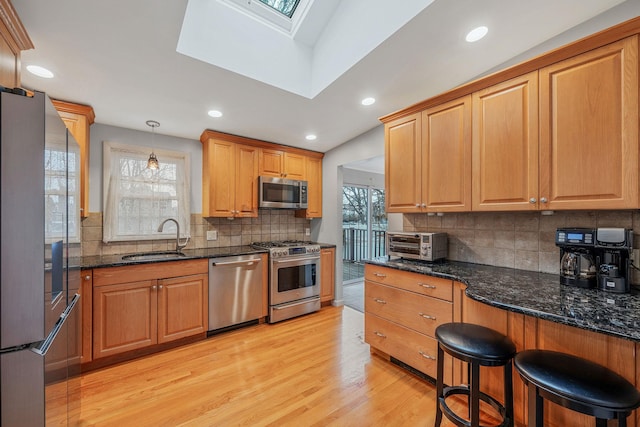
69	107
18	33
212	134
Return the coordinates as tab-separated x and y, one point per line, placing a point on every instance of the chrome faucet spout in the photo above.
179	245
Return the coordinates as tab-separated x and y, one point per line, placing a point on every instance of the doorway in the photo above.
364	227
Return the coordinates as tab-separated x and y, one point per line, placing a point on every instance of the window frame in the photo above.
182	186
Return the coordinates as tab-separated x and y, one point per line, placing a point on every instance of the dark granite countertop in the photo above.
537	294
116	260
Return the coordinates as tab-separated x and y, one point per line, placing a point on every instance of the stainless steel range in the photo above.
294	278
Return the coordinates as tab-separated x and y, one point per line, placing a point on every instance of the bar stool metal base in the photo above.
477	346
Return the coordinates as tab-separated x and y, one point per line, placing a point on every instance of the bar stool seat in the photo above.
577	384
478	346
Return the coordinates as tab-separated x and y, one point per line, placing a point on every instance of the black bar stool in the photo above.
478	346
577	384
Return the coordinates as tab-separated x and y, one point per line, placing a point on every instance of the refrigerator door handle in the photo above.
42	347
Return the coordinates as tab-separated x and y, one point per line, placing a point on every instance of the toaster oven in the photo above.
420	246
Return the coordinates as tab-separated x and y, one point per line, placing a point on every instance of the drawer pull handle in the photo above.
380	334
379	275
379	301
425	355
426	316
424	285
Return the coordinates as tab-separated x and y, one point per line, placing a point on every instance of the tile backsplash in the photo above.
271	224
522	240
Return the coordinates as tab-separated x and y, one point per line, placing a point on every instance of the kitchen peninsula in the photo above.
530	307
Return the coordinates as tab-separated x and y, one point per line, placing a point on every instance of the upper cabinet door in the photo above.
271	163
294	166
505	145
589	129
403	169
219	179
246	170
446	154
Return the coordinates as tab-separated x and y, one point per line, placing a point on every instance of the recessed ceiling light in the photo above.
476	34
39	71
368	101
311	137
215	113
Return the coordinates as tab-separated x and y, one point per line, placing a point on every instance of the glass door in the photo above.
364	227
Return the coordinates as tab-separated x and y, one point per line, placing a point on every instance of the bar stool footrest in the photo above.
462	389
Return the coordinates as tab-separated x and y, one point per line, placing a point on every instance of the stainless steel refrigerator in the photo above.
39	356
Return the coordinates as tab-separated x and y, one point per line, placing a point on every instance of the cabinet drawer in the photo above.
410	347
420	313
415	282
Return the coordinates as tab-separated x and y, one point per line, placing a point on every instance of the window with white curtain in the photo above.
137	199
62	184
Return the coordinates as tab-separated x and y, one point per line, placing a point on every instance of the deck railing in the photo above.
354	243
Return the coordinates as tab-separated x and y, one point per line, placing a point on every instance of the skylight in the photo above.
285	7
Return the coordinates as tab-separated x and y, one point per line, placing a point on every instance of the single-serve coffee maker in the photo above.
597	257
613	248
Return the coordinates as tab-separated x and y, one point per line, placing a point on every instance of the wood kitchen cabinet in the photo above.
557	132
313	169
327	274
78	118
428	160
282	164
13	40
403	164
402	311
138	306
229	179
589	129
231	166
505	145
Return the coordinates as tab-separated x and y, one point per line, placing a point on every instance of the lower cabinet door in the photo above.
182	307
416	350
124	317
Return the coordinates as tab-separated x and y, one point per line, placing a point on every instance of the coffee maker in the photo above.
577	257
613	249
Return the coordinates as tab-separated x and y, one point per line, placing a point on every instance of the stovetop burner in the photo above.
281	244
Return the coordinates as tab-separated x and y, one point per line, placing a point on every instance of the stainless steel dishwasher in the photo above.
235	290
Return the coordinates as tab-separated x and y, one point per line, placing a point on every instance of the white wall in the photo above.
100	133
329	228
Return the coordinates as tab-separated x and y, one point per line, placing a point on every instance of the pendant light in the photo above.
152	163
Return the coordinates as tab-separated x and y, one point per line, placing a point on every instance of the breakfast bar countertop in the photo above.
537	294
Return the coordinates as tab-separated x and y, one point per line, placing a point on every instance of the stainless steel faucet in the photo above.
179	246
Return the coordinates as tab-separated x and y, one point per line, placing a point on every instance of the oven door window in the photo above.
281	193
296	277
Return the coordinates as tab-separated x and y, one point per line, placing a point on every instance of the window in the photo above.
137	199
60	187
285	7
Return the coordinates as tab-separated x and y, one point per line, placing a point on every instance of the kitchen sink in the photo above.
152	256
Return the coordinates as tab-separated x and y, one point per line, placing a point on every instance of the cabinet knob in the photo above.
154	287
160	287
543	200
417	205
424	205
426	316
379	301
533	200
426	285
381	335
87	277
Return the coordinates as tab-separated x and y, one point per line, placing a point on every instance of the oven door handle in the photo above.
297	259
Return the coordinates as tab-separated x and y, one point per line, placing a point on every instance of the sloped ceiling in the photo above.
128	60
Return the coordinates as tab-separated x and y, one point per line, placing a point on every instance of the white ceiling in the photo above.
120	57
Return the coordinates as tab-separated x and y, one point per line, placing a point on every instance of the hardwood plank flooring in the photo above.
314	370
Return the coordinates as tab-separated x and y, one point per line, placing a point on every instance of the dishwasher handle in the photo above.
243	262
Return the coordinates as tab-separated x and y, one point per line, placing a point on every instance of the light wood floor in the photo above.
314	370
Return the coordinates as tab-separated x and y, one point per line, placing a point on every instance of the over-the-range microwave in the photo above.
282	193
420	246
